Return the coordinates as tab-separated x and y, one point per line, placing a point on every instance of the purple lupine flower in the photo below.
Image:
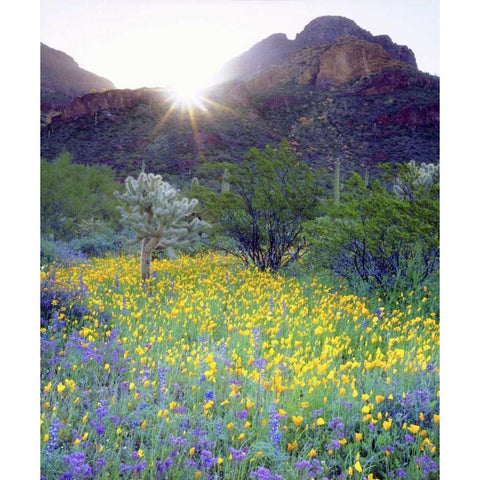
207	460
256	336
334	445
101	411
162	467
275	434
77	464
210	395
309	469
135	468
264	473
427	464
115	419
242	414
316	413
337	426
191	464
372	427
388	449
219	429
100	429
238	455
302	465
260	363
408	438
55	426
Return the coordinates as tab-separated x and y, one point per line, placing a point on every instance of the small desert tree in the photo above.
153	209
265	199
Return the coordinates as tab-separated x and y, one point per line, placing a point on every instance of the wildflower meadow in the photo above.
211	369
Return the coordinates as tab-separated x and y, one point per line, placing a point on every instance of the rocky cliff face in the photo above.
111	100
322	31
347	59
62	80
328	29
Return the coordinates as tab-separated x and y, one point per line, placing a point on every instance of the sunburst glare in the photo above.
187	95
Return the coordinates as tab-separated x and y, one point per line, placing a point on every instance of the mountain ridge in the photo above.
62	79
324	30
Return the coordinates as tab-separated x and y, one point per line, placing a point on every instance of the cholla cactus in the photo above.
161	219
419	177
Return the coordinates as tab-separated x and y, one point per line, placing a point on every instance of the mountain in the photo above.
334	91
62	80
321	31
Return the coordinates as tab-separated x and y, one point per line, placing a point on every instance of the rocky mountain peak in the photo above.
326	30
320	32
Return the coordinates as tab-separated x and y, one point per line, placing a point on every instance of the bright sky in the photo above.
151	43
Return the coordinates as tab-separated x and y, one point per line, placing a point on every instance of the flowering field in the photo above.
212	370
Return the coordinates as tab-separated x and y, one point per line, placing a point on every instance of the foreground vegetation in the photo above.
307	348
213	369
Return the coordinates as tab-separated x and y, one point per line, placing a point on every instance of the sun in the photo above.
187	95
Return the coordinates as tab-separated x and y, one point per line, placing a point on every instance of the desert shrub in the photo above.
73	193
259	218
86	245
376	240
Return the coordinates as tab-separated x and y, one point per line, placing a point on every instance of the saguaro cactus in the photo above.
336	182
153	209
225	181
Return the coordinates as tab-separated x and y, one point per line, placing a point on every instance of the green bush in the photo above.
376	240
259	214
72	194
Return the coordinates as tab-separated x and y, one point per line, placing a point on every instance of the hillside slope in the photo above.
62	80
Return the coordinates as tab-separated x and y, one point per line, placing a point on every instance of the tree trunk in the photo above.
148	245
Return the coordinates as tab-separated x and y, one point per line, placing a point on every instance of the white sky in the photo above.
136	43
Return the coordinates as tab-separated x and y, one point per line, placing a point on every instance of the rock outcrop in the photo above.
111	100
347	59
320	32
328	29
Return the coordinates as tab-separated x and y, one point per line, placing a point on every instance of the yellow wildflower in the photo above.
413	428
292	446
297	420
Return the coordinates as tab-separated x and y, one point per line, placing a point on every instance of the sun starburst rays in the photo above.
194	104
